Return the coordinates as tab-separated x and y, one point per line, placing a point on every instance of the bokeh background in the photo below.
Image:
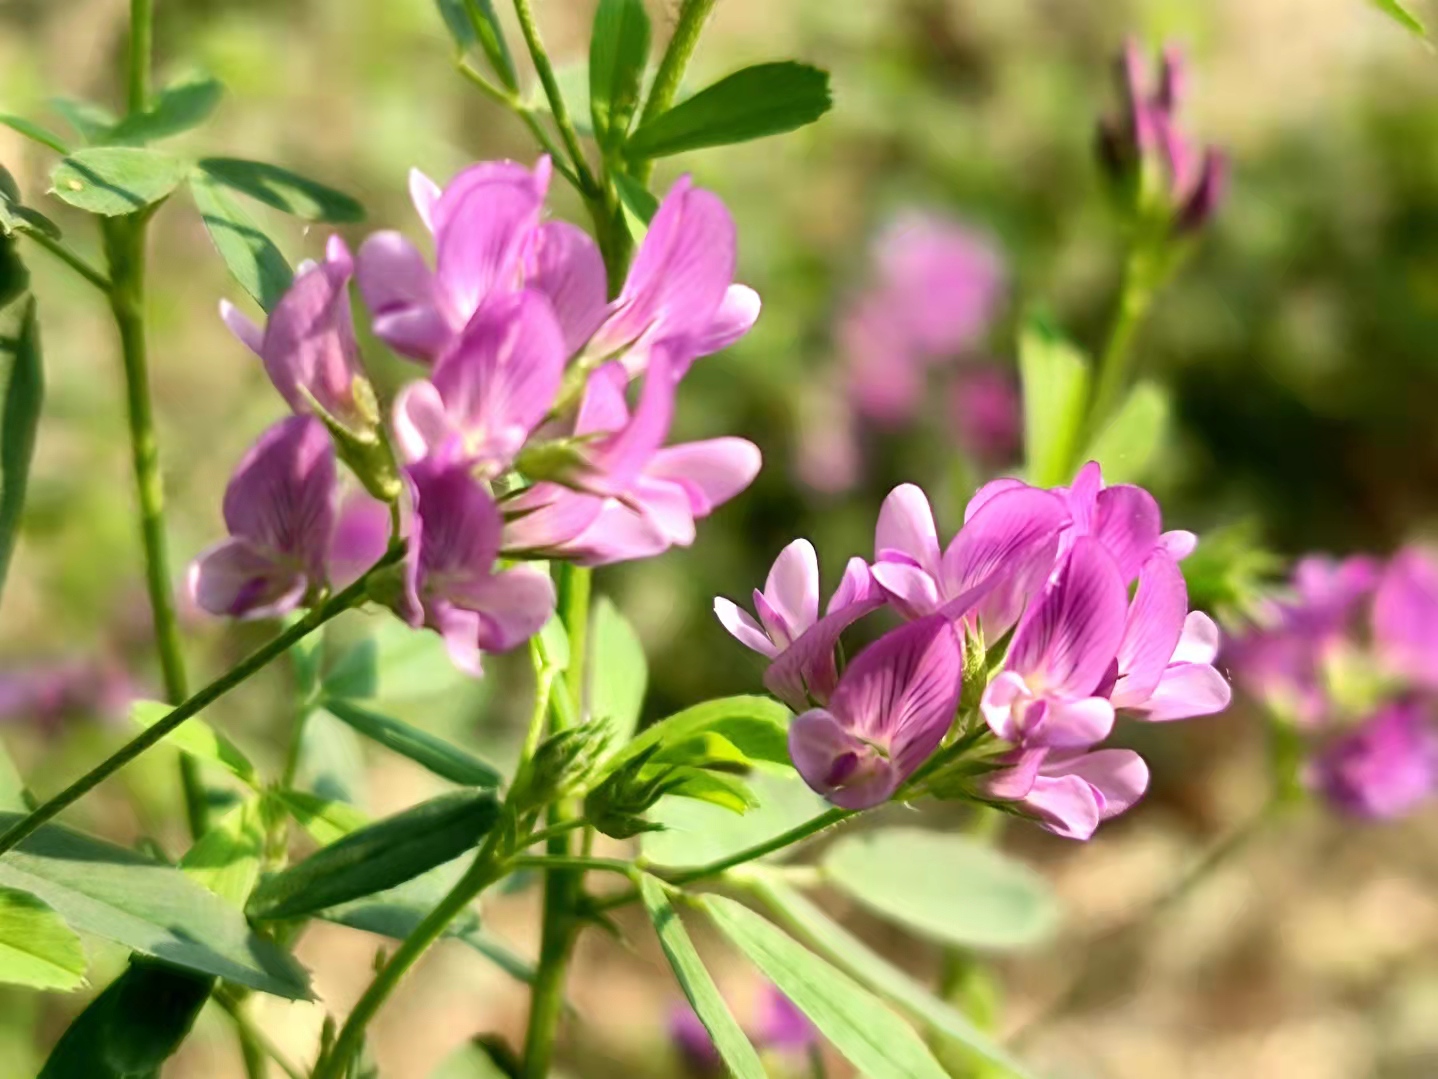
1298	344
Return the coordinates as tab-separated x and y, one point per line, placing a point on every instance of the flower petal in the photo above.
424	193
806	669
911	591
711	472
513	606
281	497
1187	690
1119	776
837	764
236	579
1065	805
361	537
743	628
906	525
482	230
1200	640
1152	630
460	528
565	265
1126	521
736	316
421	424
243	327
309	344
792	587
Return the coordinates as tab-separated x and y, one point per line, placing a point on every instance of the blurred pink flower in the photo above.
986	413
50	692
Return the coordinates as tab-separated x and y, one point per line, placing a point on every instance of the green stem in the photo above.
563	888
549	862
803	831
514	104
71	259
487	868
255	661
142	30
682	43
588	186
125	254
1135	295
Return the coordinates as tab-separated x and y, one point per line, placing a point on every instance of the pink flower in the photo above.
984	410
1384	768
1071	792
889	713
308	344
279	508
789	631
451	583
1405	617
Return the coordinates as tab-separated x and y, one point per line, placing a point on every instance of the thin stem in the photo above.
546	834
142	29
588	186
486	869
554	862
1135	295
1220	853
563	888
682	43
254	662
252	1037
514	104
125	253
824	820
75	261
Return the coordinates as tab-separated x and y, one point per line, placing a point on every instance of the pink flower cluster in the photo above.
1048	571
1351	659
520	443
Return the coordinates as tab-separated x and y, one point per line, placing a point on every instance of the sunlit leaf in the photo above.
733	1047
1402	13
618	52
869	1035
1127	445
114	180
22	390
286	191
251	256
37	948
766	99
12	787
176	109
425	749
1055	389
472	22
90	121
150	908
226	859
945	886
33	131
636	203
696	833
618	672
355	674
757	726
197	738
327	821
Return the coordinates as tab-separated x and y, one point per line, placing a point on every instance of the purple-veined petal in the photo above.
911	591
565	265
398	288
855	586
309	345
501	376
281	497
736	316
1013	782
361	537
236	579
1083	495
906	525
1152	630
806	669
546	517
792	588
481	237
243	327
460	527
1187	690
459	629
1199	641
488	176
743	628
1071	633
419	333
711	472
422	426
1126	521
618	459
902	691
989	491
513	606
1383	769
835	763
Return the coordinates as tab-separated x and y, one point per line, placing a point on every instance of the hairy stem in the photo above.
588	186
254	662
682	43
563	887
125	254
1115	364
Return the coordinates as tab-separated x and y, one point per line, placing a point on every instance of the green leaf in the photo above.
178	108
90	121
728	792
618	672
114	180
1055	387
637	205
618	52
766	99
554	645
252	257
133	1027
355	674
150	908
696	833
756	726
738	1055
869	1035
327	821
226	859
286	191
37	948
472	22
425	749
198	739
825	935
331	760
386	853
945	886
470	1061
1398	11
12	787
1127	445
22	390
35	132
